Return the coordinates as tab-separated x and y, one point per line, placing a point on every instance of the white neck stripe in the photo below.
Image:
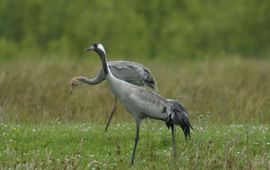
100	46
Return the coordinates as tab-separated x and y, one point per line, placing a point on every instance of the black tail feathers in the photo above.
179	117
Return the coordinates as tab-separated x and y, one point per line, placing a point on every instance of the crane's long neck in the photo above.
104	62
92	81
116	84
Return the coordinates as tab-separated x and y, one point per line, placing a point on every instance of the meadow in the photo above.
86	146
42	126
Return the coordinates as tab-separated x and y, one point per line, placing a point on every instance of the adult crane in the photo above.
143	103
128	71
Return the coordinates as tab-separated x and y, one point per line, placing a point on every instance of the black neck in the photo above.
103	61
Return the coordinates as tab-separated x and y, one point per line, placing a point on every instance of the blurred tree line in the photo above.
149	28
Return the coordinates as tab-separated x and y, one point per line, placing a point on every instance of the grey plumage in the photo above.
128	71
143	103
133	73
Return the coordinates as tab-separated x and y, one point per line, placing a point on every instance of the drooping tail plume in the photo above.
179	117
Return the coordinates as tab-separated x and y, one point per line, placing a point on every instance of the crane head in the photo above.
74	82
97	47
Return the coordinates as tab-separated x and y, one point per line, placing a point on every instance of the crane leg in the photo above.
173	142
112	113
135	144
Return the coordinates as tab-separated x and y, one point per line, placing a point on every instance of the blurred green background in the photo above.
135	29
211	55
215	54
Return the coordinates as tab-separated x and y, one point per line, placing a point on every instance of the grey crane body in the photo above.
133	73
128	71
140	102
143	103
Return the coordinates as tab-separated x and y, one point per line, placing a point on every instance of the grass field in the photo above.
70	146
42	126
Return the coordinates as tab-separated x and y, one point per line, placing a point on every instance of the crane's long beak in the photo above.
91	48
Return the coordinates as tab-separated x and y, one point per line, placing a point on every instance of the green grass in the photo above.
41	126
67	146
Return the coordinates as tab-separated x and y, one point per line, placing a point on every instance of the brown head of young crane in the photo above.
143	103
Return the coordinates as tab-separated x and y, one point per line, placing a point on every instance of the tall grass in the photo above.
231	90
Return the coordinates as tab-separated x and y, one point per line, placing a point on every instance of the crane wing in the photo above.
132	72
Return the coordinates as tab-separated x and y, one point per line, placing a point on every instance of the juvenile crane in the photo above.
128	71
144	103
